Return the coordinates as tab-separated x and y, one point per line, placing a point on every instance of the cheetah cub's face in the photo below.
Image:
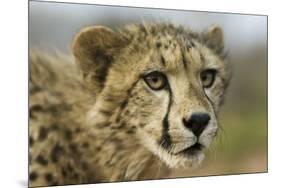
161	83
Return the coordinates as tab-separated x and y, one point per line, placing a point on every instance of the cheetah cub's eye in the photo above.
208	77
155	80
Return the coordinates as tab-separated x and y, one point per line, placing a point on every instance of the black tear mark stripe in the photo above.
165	140
211	102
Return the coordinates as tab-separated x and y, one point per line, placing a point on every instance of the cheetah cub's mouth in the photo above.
192	150
192	154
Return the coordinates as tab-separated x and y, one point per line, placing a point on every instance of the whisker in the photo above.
222	140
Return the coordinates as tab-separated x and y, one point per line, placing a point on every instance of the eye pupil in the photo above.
208	77
204	77
155	79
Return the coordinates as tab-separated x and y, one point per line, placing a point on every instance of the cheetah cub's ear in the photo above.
213	38
94	48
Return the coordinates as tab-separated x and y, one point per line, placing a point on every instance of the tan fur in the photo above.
98	121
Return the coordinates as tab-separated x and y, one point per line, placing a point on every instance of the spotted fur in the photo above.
98	121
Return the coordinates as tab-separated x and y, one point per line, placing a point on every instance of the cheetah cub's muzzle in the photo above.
196	124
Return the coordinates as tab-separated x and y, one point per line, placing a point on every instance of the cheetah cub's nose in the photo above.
197	122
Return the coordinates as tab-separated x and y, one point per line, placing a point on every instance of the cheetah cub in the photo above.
136	103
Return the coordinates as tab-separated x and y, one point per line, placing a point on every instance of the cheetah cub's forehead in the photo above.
167	47
162	83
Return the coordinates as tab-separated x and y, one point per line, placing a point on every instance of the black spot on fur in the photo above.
166	47
118	119
67	134
34	89
123	104
183	59
126	112
56	152
130	131
120	126
158	44
142	29
192	43
75	176
98	148
153	31
54	109
54	127
202	58
109	98
77	130
163	61
84	166
41	160
54	183
31	141
105	112
188	47
34	109
33	176
30	158
101	125
85	145
43	133
63	172
69	167
73	148
49	177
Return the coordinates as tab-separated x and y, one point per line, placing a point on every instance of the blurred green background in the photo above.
241	146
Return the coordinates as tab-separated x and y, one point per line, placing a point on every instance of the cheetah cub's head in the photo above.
160	83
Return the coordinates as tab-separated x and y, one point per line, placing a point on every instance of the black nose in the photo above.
197	122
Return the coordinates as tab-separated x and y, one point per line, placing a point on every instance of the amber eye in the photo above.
155	80
208	77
